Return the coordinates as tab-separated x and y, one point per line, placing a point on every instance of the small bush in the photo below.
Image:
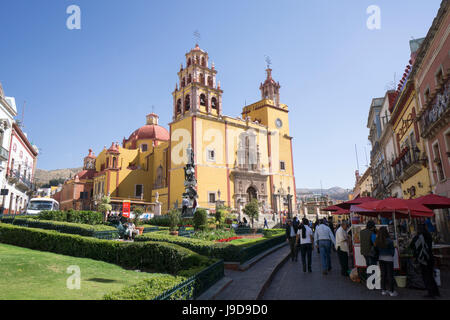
159	221
213	235
200	219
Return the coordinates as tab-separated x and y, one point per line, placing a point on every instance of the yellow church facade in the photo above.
236	158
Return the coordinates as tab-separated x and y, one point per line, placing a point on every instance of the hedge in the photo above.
147	289
149	256
84	217
64	227
226	251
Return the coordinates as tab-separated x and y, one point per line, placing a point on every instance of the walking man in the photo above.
342	247
323	238
291	237
266	225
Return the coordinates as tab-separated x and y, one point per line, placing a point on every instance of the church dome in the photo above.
150	131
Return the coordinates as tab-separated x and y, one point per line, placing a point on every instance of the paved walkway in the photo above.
290	283
247	284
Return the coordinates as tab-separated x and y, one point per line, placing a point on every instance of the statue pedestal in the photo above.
157	209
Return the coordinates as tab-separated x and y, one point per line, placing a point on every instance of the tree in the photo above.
200	219
174	219
105	206
138	211
251	209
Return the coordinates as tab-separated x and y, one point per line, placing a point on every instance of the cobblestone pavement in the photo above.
290	283
247	284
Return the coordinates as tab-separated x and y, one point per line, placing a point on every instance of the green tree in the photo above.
251	209
174	219
138	211
200	219
105	206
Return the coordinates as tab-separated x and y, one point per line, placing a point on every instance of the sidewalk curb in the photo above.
216	289
248	264
272	275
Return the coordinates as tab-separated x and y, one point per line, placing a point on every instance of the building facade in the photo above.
431	78
237	159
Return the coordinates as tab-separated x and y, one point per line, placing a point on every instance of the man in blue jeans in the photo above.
323	239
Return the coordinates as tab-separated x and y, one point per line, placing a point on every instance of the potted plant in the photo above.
174	220
138	211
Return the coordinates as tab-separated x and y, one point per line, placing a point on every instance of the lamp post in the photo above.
289	198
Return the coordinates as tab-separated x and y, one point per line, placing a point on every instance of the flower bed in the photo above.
229	239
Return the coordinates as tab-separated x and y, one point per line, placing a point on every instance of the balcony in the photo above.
408	163
4	154
438	109
21	181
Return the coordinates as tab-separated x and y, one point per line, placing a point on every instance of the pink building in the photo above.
431	73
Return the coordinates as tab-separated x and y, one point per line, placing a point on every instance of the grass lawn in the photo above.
36	275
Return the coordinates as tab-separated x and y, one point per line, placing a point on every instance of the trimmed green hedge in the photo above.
226	251
148	256
147	289
273	232
84	217
64	227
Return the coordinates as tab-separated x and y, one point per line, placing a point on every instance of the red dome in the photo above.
149	132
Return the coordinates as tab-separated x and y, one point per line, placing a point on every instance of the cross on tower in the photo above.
268	61
197	36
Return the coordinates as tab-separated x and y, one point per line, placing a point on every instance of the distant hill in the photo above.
335	193
44	176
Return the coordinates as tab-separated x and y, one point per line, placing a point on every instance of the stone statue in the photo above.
189	202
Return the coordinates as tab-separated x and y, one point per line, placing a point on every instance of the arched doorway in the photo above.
252	193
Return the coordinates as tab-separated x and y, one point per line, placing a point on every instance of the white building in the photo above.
18	160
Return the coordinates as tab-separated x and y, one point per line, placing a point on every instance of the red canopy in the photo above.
348	204
331	208
434	201
397	205
341	212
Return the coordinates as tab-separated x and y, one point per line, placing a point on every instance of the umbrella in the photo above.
434	201
331	208
348	204
402	206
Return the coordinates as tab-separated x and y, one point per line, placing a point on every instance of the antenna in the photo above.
367	162
23	112
197	36
268	61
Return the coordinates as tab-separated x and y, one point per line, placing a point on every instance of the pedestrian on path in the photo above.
386	250
266	225
291	237
323	238
342	247
422	245
305	239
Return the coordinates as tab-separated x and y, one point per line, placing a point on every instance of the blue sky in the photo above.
86	88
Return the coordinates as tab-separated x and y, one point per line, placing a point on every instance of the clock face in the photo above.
278	123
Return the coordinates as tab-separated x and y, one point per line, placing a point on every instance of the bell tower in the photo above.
270	89
197	90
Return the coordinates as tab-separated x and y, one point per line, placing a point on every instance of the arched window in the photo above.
178	106
202	100
214	103
203	62
187	103
114	162
189	62
189	80
202	79
183	82
107	162
210	81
